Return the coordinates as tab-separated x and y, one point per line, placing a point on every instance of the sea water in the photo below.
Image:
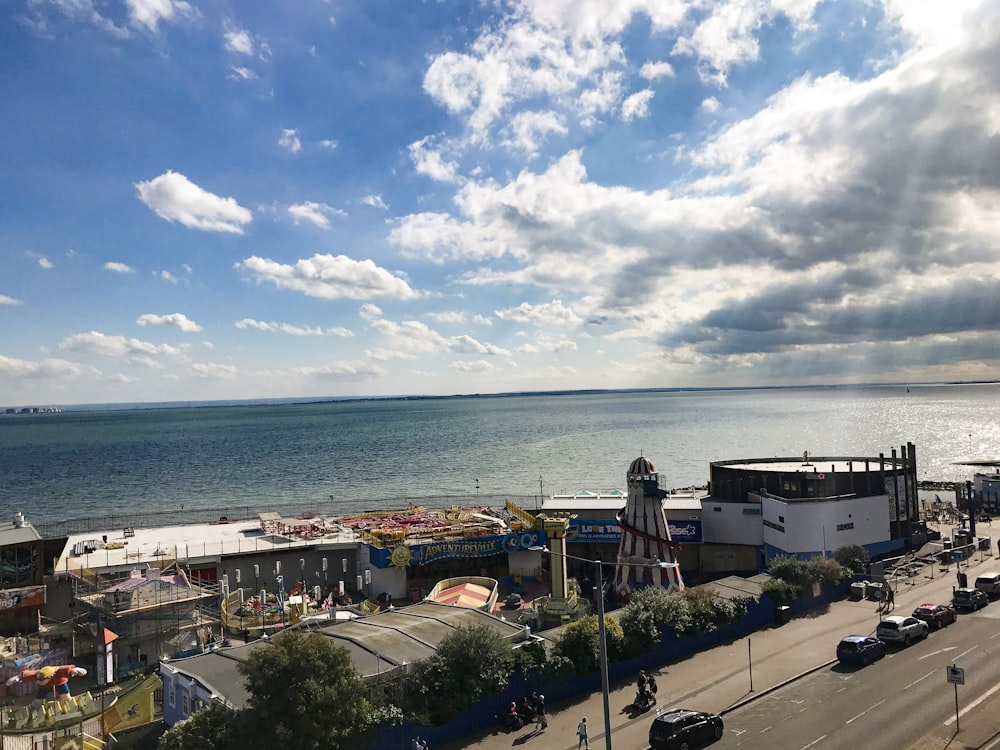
348	456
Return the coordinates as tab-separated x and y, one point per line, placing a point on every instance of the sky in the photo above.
208	200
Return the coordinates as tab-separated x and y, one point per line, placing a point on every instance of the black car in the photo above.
680	729
969	599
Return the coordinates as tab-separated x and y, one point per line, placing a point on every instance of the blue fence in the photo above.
482	716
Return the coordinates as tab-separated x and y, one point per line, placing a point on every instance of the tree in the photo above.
580	643
854	557
305	694
214	728
471	663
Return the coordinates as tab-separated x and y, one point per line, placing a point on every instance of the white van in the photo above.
989	583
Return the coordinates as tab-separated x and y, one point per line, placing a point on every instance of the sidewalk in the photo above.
719	679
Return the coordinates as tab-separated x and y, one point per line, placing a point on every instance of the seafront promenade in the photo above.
719	679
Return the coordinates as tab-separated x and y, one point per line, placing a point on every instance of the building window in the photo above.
717	509
844	526
185	704
781	519
773	525
172	694
751	511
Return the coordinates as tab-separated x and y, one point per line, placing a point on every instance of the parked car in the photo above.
860	649
966	599
681	728
899	629
989	584
936	615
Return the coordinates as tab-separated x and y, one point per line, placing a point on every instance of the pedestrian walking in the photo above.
890	599
541	720
581	733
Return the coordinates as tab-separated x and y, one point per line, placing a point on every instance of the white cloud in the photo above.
187	268
45	263
654	71
168	277
551	313
482	320
479	365
330	277
292	330
448	316
176	320
5	300
428	161
329	144
315	213
467	345
149	13
411	337
349	370
241	73
637	105
95	342
527	131
175	198
118	267
728	35
239	41
602	97
48	369
289	140
375	201
213	371
711	104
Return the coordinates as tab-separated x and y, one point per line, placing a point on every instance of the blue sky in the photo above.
205	200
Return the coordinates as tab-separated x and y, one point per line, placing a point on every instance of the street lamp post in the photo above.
603	638
601	628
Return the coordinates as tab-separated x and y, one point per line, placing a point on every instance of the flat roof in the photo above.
162	545
683	500
817	465
12	533
377	643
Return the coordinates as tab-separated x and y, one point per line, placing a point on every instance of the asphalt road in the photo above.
894	703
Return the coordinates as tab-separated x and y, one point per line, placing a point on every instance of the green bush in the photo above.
780	592
691	612
854	557
470	664
579	642
827	571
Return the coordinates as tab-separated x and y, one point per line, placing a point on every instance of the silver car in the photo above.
898	629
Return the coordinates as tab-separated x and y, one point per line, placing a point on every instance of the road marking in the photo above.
995	636
936	653
919	679
870	708
974	703
819	739
766	729
959	656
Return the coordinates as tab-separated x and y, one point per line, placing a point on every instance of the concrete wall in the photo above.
732	523
811	527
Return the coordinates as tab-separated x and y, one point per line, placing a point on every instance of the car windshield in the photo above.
849	645
923	611
888	625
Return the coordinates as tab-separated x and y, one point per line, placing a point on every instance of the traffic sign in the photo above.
956	675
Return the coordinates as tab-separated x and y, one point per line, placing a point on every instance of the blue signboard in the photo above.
450	549
593	530
600	530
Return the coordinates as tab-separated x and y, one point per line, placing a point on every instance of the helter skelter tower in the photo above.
646	542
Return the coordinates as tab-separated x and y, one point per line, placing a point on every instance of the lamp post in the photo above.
601	629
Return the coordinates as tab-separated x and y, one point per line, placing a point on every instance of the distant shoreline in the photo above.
304	401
